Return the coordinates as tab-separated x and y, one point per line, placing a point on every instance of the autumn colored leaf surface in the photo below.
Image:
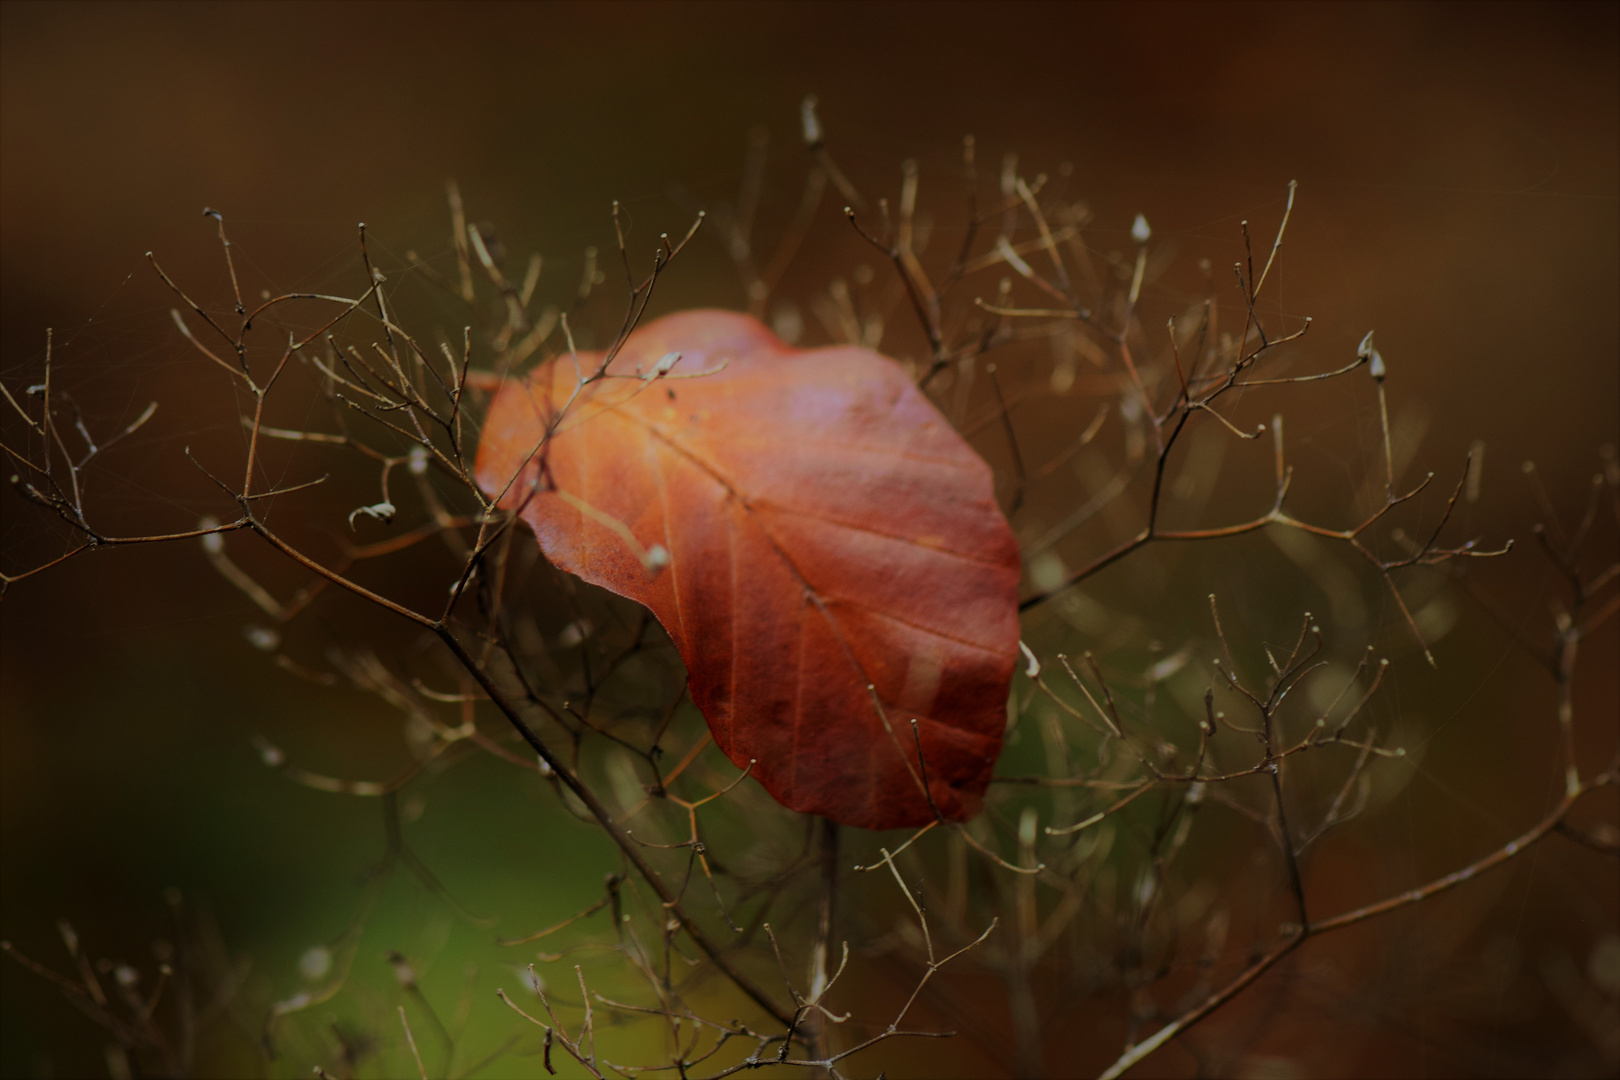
804	524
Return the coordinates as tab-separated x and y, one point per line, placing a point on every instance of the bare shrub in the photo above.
1080	887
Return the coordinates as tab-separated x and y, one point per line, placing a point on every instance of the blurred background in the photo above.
1458	171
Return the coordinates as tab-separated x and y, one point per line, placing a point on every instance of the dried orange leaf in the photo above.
805	525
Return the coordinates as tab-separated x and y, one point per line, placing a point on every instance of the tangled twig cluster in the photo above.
597	709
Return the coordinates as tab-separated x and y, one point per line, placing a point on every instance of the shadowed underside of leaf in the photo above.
826	531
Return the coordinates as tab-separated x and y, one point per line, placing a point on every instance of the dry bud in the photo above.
269	753
315	963
810	122
383	512
213	543
1033	668
665	363
263	638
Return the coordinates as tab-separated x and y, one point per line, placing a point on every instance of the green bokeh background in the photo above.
1458	171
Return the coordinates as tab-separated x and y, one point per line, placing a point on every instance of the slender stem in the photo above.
1296	883
826	913
1568	642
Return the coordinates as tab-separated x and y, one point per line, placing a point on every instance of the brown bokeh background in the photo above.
1458	170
